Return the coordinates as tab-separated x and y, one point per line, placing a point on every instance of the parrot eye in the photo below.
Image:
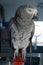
29	10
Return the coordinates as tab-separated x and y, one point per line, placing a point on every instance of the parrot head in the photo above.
25	14
32	11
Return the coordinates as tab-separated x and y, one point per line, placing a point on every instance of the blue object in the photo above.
5	24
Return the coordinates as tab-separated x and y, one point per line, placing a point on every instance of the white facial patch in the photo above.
31	11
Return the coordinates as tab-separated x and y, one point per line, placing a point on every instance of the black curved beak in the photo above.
35	17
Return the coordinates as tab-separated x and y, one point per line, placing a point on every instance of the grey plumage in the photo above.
22	26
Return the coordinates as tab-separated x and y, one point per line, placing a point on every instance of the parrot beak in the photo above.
35	17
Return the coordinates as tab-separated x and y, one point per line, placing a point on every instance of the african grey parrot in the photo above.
21	26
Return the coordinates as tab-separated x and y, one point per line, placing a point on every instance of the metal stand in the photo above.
30	52
8	62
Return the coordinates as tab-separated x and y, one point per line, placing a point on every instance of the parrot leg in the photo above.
16	53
